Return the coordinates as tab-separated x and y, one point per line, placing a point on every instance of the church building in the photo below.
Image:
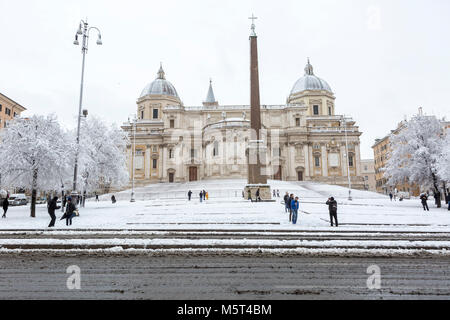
305	139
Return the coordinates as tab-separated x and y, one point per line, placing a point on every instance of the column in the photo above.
324	161
306	157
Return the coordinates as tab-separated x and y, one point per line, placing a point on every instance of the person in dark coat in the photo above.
332	208
52	206
96	198
286	203
257	196
391	195
201	196
113	199
204	195
189	195
424	198
70	211
5	206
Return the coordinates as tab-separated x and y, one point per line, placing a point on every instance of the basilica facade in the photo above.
304	138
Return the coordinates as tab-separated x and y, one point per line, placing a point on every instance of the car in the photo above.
18	199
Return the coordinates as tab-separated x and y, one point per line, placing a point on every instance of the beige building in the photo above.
8	110
368	174
305	138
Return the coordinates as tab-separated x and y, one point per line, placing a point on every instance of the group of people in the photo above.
203	195
69	213
292	205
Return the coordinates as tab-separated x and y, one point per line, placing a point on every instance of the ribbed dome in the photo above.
310	82
160	86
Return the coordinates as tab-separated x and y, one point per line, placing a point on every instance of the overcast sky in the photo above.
383	59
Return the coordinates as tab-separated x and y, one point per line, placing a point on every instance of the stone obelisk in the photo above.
257	150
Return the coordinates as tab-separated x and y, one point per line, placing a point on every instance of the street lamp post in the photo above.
133	123
347	160
84	31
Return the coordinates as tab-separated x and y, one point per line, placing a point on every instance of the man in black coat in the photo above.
5	206
189	195
53	205
424	198
332	208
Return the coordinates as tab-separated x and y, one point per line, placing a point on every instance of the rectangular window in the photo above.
317	161
8	111
193	153
155	163
155	113
142	114
0	107
315	109
350	160
329	111
297	122
277	152
172	124
216	149
170	153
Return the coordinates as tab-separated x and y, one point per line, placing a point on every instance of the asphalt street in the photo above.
43	275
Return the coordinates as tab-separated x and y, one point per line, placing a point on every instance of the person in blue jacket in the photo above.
294	208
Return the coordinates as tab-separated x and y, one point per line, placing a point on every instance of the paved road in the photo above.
210	276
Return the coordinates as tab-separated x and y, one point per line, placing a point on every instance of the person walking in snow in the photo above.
294	207
52	206
332	208
113	199
249	195
424	198
291	198
70	211
189	195
5	206
96	198
274	194
390	195
204	195
207	195
278	193
257	196
286	203
201	196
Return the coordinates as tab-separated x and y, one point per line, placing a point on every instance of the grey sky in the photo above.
383	59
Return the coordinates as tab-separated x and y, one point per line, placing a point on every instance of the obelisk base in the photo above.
264	192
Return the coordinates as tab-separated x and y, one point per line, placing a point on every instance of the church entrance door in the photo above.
277	173
192	173
171	177
300	175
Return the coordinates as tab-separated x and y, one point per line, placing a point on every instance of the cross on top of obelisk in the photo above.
253	18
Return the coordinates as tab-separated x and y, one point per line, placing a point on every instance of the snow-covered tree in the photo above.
444	159
102	161
415	150
35	154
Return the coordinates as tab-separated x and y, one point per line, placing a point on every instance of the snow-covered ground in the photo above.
165	206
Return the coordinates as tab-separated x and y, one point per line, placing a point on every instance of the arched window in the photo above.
317	161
